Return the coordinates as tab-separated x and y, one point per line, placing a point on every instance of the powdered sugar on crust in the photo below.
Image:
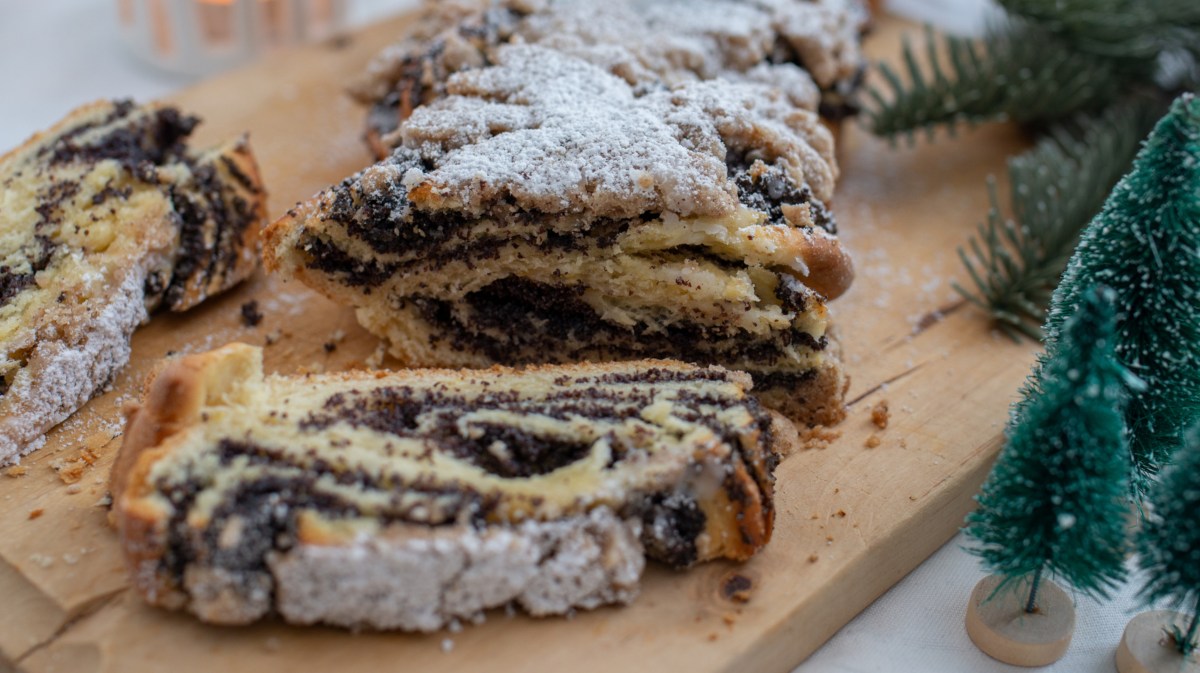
552	133
424	579
69	365
646	42
824	35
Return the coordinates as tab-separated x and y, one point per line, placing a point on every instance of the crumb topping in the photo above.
556	134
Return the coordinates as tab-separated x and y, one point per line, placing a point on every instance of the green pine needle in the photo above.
1018	72
1145	245
1168	542
1056	498
1123	29
1055	189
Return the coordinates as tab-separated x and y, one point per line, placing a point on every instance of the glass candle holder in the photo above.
201	37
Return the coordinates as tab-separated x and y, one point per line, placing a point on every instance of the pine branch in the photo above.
1055	189
1018	72
1122	29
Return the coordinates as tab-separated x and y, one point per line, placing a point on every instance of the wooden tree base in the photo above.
1000	627
1146	647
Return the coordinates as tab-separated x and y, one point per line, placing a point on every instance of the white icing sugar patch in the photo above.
63	373
649	43
556	134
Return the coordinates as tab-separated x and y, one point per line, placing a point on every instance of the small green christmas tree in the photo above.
1055	502
1145	245
1169	541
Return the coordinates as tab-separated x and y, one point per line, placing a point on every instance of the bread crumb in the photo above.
251	316
16	471
737	588
447	645
818	437
375	360
273	337
813	558
35	513
873	441
712	637
41	560
71	470
728	619
841	514
880	415
72	489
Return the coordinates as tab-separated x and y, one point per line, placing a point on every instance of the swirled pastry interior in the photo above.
405	499
544	211
104	218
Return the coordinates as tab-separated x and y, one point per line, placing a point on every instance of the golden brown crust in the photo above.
171	401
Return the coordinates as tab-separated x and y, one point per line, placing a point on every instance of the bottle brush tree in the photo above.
1169	541
1055	502
1145	245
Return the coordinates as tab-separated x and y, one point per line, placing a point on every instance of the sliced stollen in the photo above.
411	498
542	212
809	49
105	218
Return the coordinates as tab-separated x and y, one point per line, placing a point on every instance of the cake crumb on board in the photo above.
16	471
873	441
70	470
818	437
736	588
880	414
251	315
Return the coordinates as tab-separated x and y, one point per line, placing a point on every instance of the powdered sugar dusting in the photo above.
546	567
649	43
556	134
63	374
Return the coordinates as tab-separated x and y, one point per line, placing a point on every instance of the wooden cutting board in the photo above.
852	520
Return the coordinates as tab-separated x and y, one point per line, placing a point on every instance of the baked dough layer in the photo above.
544	212
105	218
438	492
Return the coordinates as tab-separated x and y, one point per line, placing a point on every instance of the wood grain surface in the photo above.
852	520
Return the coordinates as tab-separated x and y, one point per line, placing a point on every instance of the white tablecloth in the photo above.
56	54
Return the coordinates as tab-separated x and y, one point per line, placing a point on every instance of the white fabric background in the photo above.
56	54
